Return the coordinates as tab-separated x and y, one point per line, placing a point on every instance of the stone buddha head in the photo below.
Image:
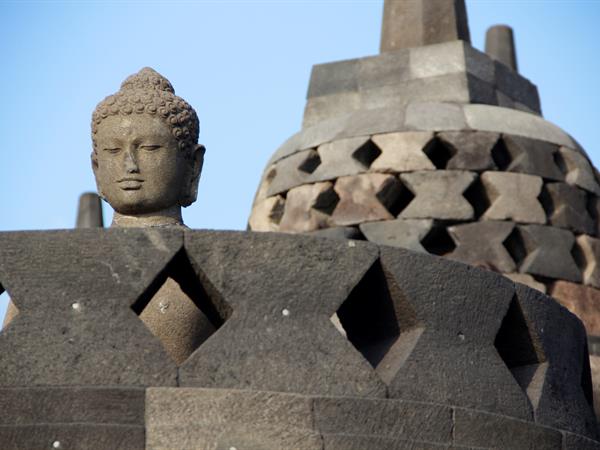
146	157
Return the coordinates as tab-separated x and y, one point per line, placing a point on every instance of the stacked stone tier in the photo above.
313	343
518	200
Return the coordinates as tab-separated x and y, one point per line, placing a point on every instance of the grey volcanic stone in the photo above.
513	197
576	442
341	158
54	405
402	152
590	249
473	149
527	280
337	233
438	194
365	197
568	208
384	69
579	170
405	233
564	397
279	336
481	244
435	116
266	214
383	418
219	418
480	430
549	253
287	174
452	360
302	207
416	24
87	334
533	157
503	120
73	436
517	87
500	45
362	442
89	213
331	78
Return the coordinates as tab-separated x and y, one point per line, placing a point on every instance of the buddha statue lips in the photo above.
146	158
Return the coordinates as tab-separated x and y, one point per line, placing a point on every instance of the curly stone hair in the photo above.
148	92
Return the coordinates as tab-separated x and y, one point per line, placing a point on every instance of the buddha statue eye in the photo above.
150	148
113	151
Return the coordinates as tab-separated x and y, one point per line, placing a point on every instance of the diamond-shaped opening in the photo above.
181	308
477	196
311	162
379	322
367	153
521	351
276	212
394	195
559	160
8	310
515	246
501	155
326	201
438	241
546	201
439	152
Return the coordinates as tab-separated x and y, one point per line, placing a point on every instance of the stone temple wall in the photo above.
442	149
315	344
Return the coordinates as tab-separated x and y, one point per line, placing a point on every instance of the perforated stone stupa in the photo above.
437	147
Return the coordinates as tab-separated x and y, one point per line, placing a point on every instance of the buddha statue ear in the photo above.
190	185
94	160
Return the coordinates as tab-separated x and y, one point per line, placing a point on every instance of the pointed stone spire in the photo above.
414	23
500	45
89	213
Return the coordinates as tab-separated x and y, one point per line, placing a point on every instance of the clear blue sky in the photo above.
244	66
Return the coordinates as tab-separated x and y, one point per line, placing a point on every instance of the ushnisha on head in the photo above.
146	157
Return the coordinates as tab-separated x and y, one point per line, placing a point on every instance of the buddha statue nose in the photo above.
131	165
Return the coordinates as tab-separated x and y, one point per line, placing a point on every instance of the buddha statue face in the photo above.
146	159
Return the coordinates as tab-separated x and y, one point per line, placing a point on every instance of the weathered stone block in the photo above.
54	405
308	207
562	396
287	175
517	87
527	280
365	197
402	152
220	418
88	333
452	359
416	24
481	244
548	251
434	116
279	336
513	197
438	194
383	418
510	121
500	45
473	149
438	59
583	301
384	69
405	233
344	157
533	157
567	207
577	442
72	436
324	108
266	214
331	78
579	170
590	250
477	429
